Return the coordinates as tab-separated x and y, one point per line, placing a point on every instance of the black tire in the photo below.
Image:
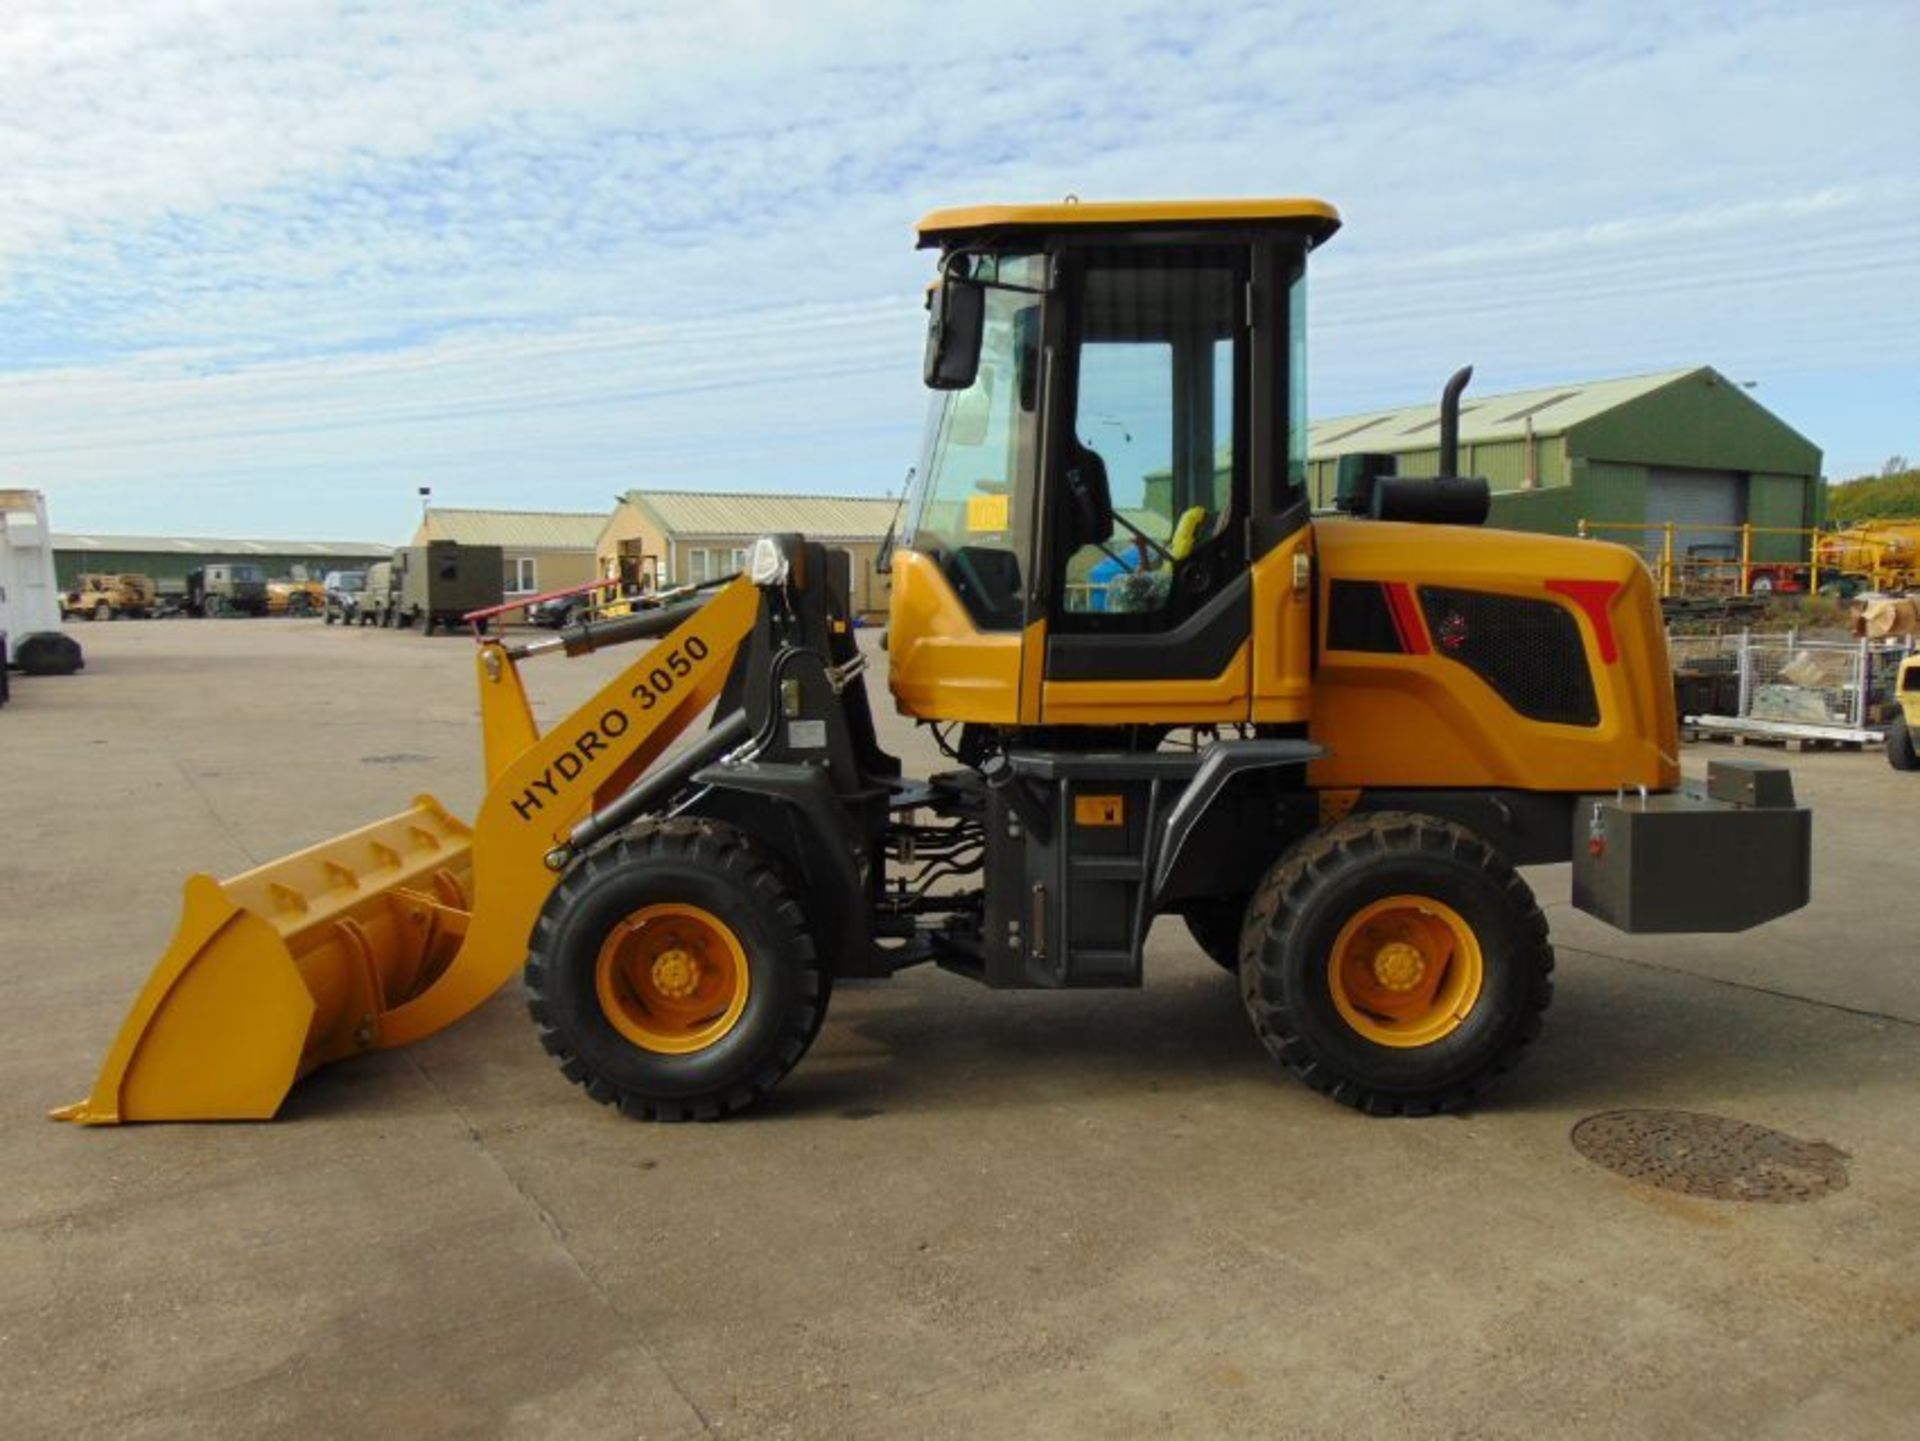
1302	905
1901	754
1215	926
692	863
103	611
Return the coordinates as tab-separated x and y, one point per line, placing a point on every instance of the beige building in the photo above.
673	537
543	550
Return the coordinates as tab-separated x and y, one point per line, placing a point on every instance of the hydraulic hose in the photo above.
654	787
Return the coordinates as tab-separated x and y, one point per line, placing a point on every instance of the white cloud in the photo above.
267	266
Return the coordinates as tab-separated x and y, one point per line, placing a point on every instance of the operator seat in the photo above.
1089	501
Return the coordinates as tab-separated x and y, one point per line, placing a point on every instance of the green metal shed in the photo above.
1686	446
168	558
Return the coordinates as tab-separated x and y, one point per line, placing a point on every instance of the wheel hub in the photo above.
1405	970
1399	966
676	973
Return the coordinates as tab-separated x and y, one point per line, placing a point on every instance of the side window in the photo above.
1153	470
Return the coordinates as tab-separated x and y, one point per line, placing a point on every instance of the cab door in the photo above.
1148	587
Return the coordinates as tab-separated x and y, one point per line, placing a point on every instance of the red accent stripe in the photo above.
1594	597
1406	618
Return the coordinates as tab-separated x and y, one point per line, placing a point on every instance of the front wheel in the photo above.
1397	963
1901	754
673	975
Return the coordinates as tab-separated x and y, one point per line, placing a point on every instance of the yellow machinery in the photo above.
296	597
1880	554
1903	730
1166	685
107	597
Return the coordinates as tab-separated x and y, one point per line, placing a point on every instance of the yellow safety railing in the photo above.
1735	573
1885	554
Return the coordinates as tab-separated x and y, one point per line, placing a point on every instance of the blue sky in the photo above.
266	268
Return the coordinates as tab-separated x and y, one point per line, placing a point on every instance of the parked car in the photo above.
561	610
344	592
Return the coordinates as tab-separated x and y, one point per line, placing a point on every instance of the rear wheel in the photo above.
1901	754
103	611
673	975
1397	963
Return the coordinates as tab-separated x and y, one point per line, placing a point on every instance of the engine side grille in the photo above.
1529	651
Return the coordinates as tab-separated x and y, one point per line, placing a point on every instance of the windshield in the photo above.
972	503
349	581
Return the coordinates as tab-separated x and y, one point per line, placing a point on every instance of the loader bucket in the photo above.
287	967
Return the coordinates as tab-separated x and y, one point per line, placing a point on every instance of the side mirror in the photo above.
955	323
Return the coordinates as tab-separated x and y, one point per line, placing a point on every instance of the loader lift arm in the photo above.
388	934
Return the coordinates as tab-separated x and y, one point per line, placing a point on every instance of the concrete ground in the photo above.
965	1214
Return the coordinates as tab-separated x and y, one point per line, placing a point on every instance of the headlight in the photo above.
769	565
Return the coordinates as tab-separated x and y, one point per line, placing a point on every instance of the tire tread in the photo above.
1312	863
712	846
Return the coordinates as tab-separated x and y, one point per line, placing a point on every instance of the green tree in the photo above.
1890	496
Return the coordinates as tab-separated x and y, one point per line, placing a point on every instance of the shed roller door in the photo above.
1697	501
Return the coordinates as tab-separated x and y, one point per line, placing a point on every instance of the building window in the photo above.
520	576
737	562
697	561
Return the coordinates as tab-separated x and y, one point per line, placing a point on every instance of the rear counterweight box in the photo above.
1728	856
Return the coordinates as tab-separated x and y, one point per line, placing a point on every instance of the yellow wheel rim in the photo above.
672	979
1406	971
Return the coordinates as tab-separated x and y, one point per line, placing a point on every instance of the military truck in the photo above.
442	580
379	601
217	590
98	596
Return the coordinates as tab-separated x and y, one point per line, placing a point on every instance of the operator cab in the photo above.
1117	439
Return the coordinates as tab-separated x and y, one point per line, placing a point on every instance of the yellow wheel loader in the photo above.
1166	686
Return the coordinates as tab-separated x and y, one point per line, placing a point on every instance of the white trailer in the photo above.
29	589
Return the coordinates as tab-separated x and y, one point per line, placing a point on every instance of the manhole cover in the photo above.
1712	1156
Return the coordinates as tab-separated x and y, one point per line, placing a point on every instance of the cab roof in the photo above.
1317	217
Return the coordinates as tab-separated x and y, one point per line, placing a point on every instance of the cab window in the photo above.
971	510
1153	471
